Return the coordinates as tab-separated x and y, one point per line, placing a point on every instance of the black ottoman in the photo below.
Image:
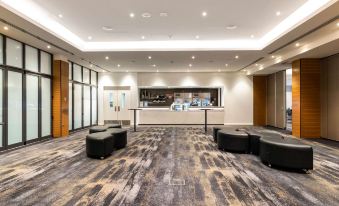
234	141
99	145
96	129
286	152
120	137
113	125
215	132
254	142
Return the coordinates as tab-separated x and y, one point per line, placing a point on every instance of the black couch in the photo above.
103	128
231	140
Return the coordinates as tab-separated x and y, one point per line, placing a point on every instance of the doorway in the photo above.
117	101
289	99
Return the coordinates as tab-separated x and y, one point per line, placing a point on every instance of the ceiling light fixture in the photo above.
107	58
197	37
218	70
278	13
118	65
252	36
146	15
107	28
143	37
89	37
149	57
226	65
131	15
256	65
154	65
157	70
204	13
231	27
127	71
6	28
48	46
190	65
193	57
91	65
163	14
237	57
60	16
297	44
272	56
338	24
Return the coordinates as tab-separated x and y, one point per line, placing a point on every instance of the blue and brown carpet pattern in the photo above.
161	166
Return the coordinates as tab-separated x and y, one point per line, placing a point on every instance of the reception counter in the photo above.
192	116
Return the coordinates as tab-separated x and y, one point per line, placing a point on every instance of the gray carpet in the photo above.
161	166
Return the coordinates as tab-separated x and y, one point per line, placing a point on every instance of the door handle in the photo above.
115	108
118	108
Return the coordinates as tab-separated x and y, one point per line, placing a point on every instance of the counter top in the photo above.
198	109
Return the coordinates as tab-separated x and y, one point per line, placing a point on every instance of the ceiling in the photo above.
169	40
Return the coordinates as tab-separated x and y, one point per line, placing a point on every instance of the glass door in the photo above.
124	105
110	105
32	107
1	118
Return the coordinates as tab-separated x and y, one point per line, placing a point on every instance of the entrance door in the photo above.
116	105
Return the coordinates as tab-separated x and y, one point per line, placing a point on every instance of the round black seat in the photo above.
99	145
113	125
215	132
254	141
96	129
234	141
286	152
120	137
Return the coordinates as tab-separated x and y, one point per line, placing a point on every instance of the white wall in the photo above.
237	89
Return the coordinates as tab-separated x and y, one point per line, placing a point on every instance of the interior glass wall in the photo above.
82	97
25	93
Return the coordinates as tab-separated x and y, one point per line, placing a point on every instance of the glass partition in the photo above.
85	75
94	105
32	105
93	78
1	98
87	106
14	107
70	106
45	63
31	59
13	53
77	106
1	52
45	107
77	76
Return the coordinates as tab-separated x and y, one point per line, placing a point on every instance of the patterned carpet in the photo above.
161	166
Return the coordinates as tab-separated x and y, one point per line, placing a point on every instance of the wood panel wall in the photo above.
280	100
271	98
306	98
60	98
259	100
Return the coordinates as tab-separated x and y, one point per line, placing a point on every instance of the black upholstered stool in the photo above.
96	129
234	141
254	142
120	137
99	145
286	152
215	132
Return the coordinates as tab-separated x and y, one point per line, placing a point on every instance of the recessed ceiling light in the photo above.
48	46
197	36
218	70
107	58
131	15
103	71
89	37
188	70
256	65
193	57
204	13
297	44
126	70
146	15
60	16
6	28
91	65
226	65
278	13
118	65
107	28
237	57
163	14
261	68
149	57
272	56
157	70
252	36
338	24
143	37
154	65
190	65
231	27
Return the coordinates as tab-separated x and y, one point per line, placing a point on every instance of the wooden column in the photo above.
60	98
259	100
306	98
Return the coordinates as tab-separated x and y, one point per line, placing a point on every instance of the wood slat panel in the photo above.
296	98
259	100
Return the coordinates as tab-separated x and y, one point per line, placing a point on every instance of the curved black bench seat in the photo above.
99	145
254	141
96	129
215	132
286	152
113	125
234	141
120	137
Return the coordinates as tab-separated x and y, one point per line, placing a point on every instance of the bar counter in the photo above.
192	116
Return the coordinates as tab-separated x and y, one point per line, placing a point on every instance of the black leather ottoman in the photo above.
286	152
234	141
215	132
254	142
96	129
120	137
99	145
113	125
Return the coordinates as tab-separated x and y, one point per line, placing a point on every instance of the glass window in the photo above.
32	85
93	78
46	63
85	75
87	106
45	107
77	106
70	70
14	107
1	108
94	105
31	59
1	53
70	107
77	73
13	53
